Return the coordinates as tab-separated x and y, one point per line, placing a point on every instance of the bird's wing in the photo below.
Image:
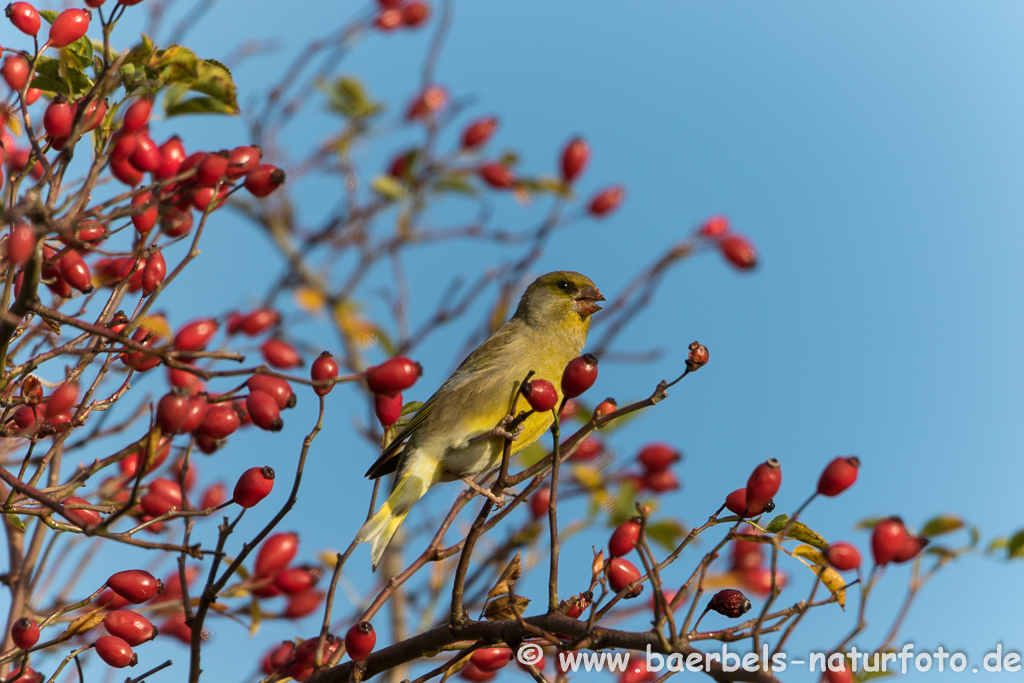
469	378
388	460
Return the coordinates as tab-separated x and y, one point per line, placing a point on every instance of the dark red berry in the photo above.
843	556
729	603
195	335
115	652
220	421
259	321
605	407
28	675
213	496
473	674
94	113
213	168
123	170
62	399
144	214
175	222
296	579
302	604
69	26
135	585
763	484
887	539
838	475
82	517
415	13
254	485
25	633
277	551
75	272
136	116
388	20
243	159
393	376
19	160
21	243
716	226
388	408
606	201
31	390
172	154
429	102
263	411
738	250
194	414
736	502
263	180
359	641
15	72
843	675
541	395
171	412
658	456
280	354
623	538
660	481
574	159
131	627
279	388
324	368
588	449
58	117
579	375
477	133
539	502
279	657
154	272
24	17
621	573
122	145
491	658
497	175
145	154
910	548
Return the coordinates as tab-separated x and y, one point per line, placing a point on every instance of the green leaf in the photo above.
868	523
389	187
254	616
943	524
798	531
348	97
1015	548
80	83
47	84
411	408
48	14
79	52
532	454
667	533
455	183
195	105
625	504
997	544
15	521
214	79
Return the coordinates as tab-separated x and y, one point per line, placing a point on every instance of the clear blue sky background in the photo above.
874	152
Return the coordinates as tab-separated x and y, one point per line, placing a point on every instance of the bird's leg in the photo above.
499	501
501	430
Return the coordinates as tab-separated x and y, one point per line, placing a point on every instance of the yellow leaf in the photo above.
815	560
85	622
589	477
156	324
503	609
309	299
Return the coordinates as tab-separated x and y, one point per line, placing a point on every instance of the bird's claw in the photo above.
499	501
502	429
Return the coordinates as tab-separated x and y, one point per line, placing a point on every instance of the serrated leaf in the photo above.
176	106
667	533
1015	548
509	575
15	521
80	83
51	85
943	524
85	622
503	608
48	15
389	187
79	52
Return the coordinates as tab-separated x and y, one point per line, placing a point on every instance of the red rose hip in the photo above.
839	475
887	539
763	484
359	641
579	375
541	395
254	485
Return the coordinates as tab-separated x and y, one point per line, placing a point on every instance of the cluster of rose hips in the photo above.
298	660
393	14
387	381
736	248
273	575
656	460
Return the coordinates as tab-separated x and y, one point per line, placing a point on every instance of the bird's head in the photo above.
557	296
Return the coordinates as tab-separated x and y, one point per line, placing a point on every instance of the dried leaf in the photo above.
508	578
503	608
85	622
254	616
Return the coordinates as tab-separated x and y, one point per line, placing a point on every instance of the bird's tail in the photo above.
380	528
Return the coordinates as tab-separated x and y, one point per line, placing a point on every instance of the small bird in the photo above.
455	434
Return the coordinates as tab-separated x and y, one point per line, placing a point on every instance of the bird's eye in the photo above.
563	285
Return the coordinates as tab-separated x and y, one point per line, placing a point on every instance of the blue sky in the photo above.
873	152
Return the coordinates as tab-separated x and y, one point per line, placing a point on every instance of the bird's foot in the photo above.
503	431
499	501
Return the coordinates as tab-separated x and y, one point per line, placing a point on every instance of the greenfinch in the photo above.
453	436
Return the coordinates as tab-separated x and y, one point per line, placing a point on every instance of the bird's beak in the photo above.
586	301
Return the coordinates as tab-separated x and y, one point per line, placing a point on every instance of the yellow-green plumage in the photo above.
548	329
